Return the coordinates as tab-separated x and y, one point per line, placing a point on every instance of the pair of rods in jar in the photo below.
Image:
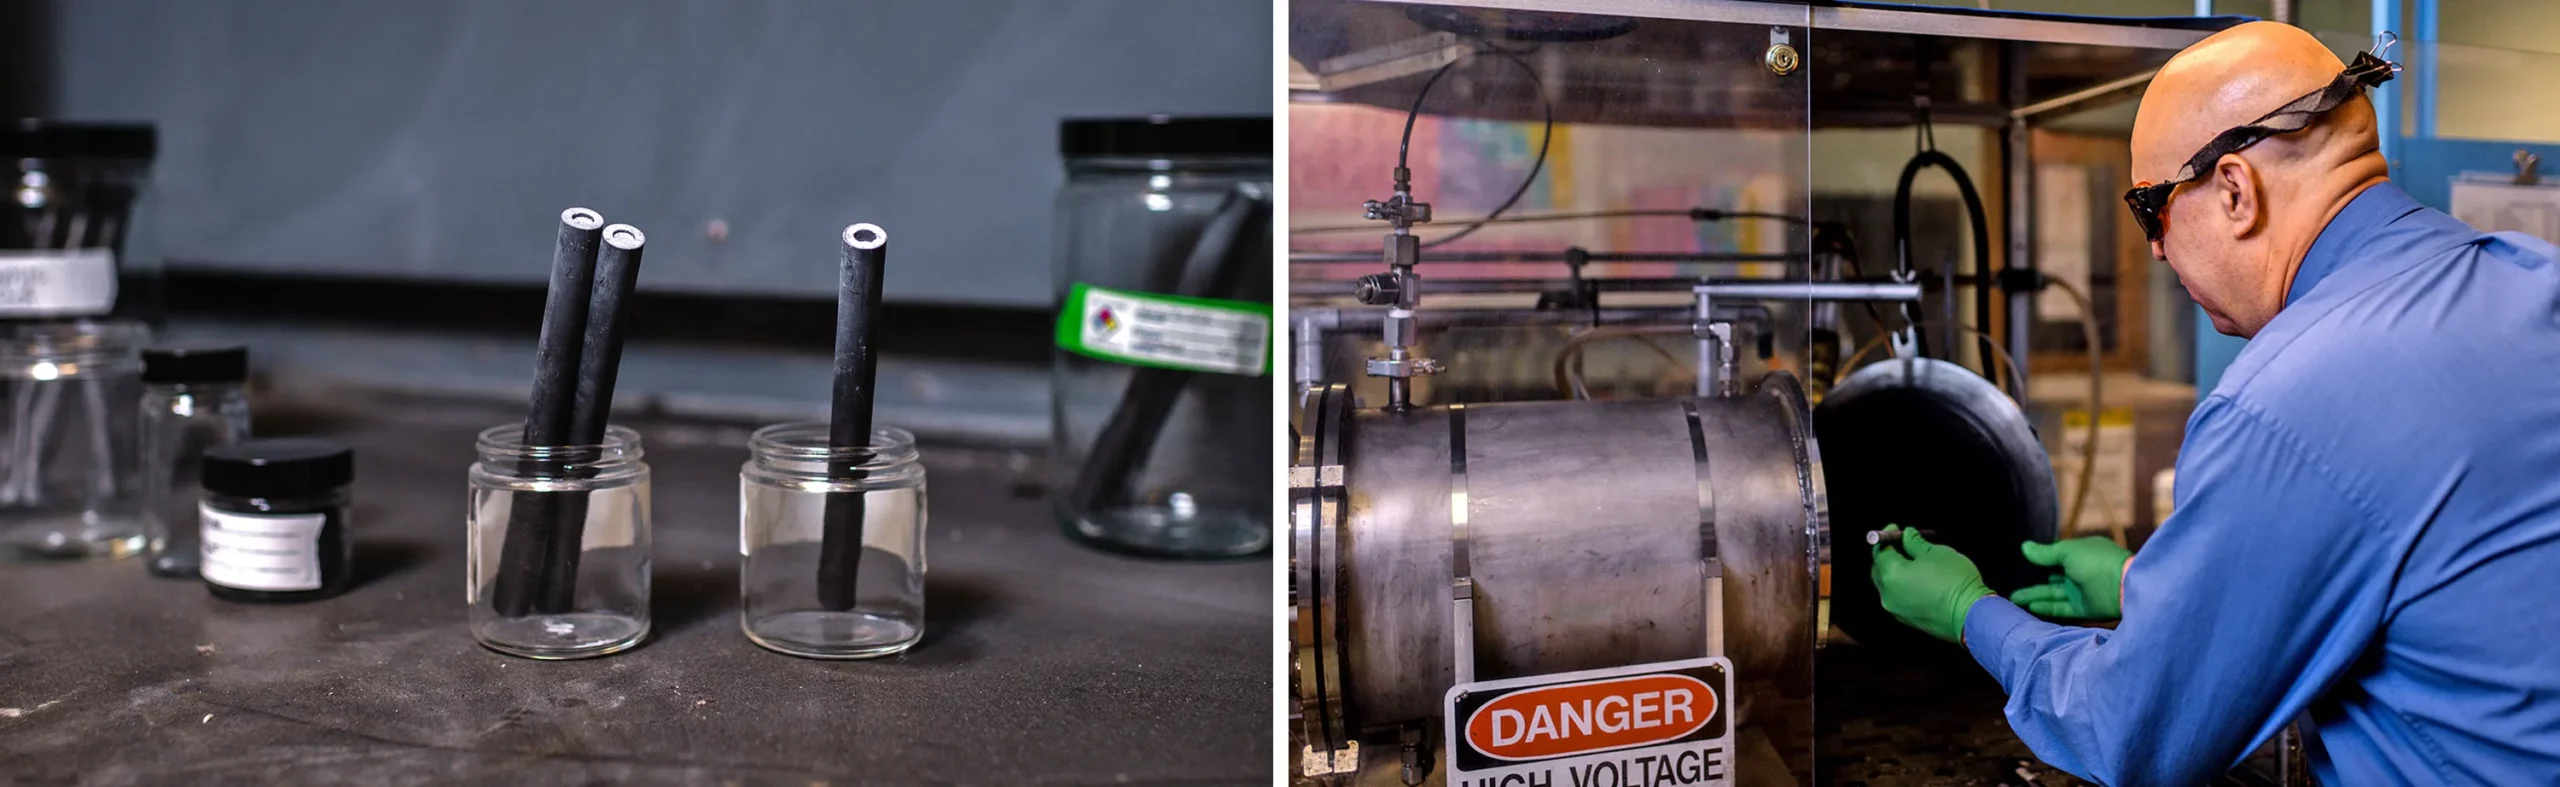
576	361
36	409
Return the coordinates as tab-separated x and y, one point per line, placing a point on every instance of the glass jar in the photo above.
559	545
70	480
1161	404
274	520
192	399
71	197
801	595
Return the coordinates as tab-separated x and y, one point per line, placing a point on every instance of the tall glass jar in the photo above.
559	545
1161	403
193	399
70	475
800	594
72	189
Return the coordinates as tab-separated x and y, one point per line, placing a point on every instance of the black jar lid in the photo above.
1166	135
287	467
195	363
37	138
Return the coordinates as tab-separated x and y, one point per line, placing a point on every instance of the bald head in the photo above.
2236	234
2229	79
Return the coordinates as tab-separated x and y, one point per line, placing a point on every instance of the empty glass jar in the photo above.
193	399
70	480
559	545
833	541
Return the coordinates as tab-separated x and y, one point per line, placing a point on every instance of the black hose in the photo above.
1404	143
1546	138
1981	246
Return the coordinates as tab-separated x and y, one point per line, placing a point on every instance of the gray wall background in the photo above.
440	138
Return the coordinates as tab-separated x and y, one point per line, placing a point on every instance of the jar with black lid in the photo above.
1160	403
275	520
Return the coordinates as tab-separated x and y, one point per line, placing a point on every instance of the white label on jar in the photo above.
261	551
57	282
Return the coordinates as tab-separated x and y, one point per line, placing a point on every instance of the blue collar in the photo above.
2364	216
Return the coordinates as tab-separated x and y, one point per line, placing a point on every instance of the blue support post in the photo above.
2423	54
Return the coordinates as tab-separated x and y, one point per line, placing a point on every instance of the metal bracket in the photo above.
1314	478
1379	64
1405	367
1330	767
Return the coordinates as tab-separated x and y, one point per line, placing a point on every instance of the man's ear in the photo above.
2237	195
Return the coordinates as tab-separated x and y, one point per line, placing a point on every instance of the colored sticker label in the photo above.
261	552
1166	331
1665	723
57	282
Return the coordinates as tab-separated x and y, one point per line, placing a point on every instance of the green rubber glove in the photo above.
1932	590
2090	585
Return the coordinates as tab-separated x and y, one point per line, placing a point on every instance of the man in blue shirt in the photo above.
2367	530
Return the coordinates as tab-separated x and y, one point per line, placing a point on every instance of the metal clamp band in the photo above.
1462	581
1317	625
1815	490
1710	558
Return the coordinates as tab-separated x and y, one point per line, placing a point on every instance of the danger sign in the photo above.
1646	725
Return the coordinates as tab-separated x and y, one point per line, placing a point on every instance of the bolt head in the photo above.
1783	60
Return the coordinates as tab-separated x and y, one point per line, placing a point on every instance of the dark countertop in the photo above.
1043	662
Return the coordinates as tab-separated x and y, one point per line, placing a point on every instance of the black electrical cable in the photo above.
1404	146
1981	244
1546	138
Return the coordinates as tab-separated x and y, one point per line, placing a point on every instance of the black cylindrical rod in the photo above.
532	516
599	362
866	252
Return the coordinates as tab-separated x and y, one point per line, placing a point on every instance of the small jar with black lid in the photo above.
192	400
275	520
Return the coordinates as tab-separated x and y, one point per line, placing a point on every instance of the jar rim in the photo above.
507	441
807	441
1212	164
46	341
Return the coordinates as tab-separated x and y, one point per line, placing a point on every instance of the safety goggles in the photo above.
2149	199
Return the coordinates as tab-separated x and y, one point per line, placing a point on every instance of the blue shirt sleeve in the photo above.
2257	593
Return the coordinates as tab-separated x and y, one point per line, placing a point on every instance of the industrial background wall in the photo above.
440	138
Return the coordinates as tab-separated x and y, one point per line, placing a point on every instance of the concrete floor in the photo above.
1044	662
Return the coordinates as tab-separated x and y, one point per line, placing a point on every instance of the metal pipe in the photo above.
1811	290
2076	97
1554	256
1306	350
2016	147
2422	102
1482	286
2386	97
1373	319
